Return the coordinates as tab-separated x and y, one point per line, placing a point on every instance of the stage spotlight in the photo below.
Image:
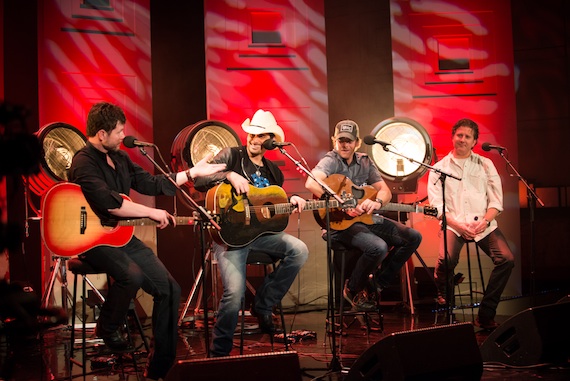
59	142
408	138
195	142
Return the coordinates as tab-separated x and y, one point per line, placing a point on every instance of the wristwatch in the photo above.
487	221
379	200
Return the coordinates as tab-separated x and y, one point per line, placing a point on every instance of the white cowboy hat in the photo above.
263	122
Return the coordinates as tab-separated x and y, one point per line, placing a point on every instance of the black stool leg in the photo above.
341	296
83	329
470	276
242	325
480	268
280	306
72	335
140	328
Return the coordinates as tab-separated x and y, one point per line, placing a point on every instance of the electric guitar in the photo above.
244	217
345	188
69	226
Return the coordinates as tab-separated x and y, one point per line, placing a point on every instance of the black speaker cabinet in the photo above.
534	336
275	366
447	352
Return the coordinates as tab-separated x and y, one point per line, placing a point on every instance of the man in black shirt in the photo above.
105	173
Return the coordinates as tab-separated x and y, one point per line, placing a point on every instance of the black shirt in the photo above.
237	160
102	185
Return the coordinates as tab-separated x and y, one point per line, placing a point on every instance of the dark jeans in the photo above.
132	267
496	247
374	241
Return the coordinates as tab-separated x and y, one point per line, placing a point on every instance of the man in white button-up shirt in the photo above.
471	207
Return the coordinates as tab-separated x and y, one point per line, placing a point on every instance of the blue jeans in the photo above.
132	267
232	265
374	241
496	247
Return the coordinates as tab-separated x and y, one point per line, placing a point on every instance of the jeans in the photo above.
496	247
374	241
132	267
232	265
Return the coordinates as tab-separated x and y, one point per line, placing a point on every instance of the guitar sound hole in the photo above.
357	193
267	211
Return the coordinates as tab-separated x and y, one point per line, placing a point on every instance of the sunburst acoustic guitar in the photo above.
69	226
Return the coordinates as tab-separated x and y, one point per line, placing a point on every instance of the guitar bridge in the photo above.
247	211
82	220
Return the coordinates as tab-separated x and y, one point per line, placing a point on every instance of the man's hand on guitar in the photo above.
162	218
299	203
368	206
240	183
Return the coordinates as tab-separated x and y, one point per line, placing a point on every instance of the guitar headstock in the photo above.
430	211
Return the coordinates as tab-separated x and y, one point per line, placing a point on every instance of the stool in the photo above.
261	259
458	279
341	251
471	291
81	268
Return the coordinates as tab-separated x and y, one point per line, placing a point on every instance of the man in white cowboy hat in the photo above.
247	166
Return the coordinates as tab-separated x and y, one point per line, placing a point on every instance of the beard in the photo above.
114	148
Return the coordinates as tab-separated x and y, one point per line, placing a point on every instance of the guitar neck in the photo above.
151	222
395	207
287	208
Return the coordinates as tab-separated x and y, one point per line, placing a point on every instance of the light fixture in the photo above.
195	142
408	138
59	142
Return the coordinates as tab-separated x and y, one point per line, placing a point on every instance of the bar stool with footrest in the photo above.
83	269
345	255
458	280
473	302
261	259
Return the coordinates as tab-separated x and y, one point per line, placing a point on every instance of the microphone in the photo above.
271	144
132	142
489	146
369	139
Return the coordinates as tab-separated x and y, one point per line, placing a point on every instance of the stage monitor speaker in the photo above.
275	366
447	352
534	336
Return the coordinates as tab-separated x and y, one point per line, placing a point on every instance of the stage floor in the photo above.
424	336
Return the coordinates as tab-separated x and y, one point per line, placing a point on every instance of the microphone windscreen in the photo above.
268	144
369	139
486	146
129	141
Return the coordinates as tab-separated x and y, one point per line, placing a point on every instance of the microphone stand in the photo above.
532	198
335	364
204	216
442	177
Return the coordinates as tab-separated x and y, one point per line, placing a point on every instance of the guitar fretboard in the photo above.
150	222
287	208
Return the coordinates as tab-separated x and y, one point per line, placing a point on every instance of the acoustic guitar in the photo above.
345	188
69	226
244	217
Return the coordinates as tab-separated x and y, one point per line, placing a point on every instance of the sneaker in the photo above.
359	300
486	323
